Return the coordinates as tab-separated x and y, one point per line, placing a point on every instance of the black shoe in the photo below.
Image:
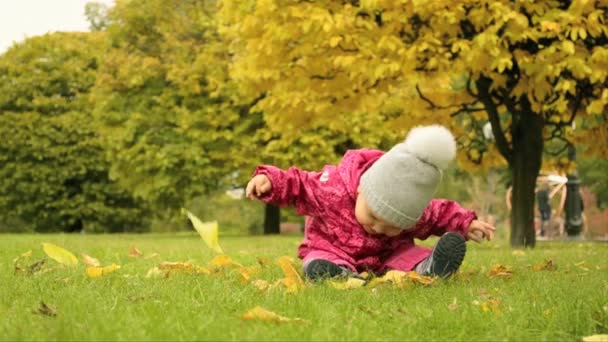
445	258
320	269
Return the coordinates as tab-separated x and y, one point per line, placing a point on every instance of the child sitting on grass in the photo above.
364	213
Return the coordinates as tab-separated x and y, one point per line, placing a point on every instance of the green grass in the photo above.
565	304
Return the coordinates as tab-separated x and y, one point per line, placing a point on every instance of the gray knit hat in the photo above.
399	185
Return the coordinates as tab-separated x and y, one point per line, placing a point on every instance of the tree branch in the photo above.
483	88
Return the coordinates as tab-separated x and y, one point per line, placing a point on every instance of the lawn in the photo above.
567	300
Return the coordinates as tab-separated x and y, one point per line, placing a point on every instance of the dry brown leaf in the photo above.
46	310
500	271
548	265
90	261
260	314
134	252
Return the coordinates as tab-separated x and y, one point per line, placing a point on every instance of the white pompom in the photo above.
434	144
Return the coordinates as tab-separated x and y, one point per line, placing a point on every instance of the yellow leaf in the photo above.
96	272
207	230
261	284
183	266
401	279
222	262
351	283
292	280
334	41
59	254
518	252
134	252
155	272
90	261
491	305
260	314
596	338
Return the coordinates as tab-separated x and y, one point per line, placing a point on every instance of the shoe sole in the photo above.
321	269
448	255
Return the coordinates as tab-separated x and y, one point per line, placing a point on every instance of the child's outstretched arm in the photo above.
442	216
290	187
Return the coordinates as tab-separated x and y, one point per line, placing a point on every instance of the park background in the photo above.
164	105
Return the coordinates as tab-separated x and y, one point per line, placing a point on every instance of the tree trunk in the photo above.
272	219
525	166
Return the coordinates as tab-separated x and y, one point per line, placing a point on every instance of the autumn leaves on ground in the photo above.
175	287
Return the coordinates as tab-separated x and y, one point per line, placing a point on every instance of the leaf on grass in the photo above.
401	279
151	256
260	314
90	261
221	262
245	273
46	310
350	283
37	267
59	254
292	281
207	230
183	267
97	272
492	305
596	338
135	253
500	271
581	265
548	265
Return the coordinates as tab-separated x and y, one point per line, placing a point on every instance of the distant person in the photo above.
364	213
543	201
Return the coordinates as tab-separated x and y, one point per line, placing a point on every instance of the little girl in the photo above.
363	214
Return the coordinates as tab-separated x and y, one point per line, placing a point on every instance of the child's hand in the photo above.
257	186
478	230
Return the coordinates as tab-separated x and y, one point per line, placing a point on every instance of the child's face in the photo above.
370	222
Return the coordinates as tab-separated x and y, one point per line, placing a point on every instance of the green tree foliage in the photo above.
53	173
177	128
531	68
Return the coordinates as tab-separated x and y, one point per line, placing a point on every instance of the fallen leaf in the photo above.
135	253
183	266
546	266
519	252
292	281
581	265
90	261
96	272
246	273
220	262
500	271
401	279
207	230
59	254
46	310
596	338
350	283
36	267
260	314
491	305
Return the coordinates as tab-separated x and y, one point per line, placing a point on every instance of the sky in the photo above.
20	19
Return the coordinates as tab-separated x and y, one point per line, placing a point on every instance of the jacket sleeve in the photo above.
442	216
292	187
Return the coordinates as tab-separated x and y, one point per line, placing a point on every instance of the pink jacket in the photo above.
328	198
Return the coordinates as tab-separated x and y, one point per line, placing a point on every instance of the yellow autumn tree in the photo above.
533	69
